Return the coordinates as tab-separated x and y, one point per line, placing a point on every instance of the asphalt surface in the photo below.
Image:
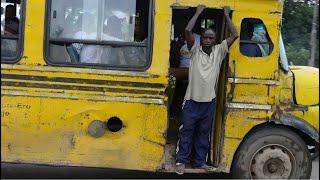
25	171
315	169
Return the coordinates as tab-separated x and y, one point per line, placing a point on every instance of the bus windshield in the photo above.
283	57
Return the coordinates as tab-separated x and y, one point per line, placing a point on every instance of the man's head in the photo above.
140	29
114	25
137	27
208	38
246	30
10	11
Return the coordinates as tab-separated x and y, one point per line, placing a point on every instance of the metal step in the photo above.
188	169
169	165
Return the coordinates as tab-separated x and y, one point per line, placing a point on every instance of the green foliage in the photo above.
296	29
297	56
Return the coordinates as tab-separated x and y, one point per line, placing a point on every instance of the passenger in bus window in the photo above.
260	35
78	35
11	21
247	48
87	52
112	31
137	55
174	58
199	105
185	54
140	34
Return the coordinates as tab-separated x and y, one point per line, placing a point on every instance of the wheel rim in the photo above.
273	161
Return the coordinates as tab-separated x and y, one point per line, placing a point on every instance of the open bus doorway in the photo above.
210	18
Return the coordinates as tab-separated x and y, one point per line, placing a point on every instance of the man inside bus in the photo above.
87	52
247	48
137	55
11	21
185	54
112	32
180	60
199	105
140	31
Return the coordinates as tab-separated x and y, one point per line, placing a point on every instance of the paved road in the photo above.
45	172
315	169
24	171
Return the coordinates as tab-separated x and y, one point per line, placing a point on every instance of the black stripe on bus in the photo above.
81	81
81	88
93	100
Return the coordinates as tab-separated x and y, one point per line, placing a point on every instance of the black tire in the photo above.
270	152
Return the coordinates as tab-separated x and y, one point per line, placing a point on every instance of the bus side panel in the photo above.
252	82
55	131
238	124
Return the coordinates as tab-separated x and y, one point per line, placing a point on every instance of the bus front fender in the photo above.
300	124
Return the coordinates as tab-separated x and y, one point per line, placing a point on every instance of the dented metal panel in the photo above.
46	110
300	124
306	85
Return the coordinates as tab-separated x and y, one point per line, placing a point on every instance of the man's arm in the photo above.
188	31
234	33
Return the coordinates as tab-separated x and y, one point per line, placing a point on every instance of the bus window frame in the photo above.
148	45
20	37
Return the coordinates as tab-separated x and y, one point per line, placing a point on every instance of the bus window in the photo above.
10	30
207	23
99	33
254	38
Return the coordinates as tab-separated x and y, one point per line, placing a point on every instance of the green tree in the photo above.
296	29
313	39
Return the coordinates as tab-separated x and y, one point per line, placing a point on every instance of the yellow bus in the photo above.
87	83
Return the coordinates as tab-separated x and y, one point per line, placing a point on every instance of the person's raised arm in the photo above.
188	31
233	31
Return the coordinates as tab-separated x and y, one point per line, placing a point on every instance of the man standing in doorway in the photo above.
199	101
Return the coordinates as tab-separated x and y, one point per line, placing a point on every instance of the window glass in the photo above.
207	23
103	32
10	30
254	38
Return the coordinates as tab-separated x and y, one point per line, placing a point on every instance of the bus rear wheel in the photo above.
272	152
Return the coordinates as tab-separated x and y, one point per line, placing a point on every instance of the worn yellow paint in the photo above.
53	129
286	90
253	93
239	122
230	144
306	85
311	116
34	33
57	133
285	95
49	126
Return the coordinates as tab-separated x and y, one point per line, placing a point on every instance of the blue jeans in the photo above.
197	119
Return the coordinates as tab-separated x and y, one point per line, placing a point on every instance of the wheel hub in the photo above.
272	162
272	168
